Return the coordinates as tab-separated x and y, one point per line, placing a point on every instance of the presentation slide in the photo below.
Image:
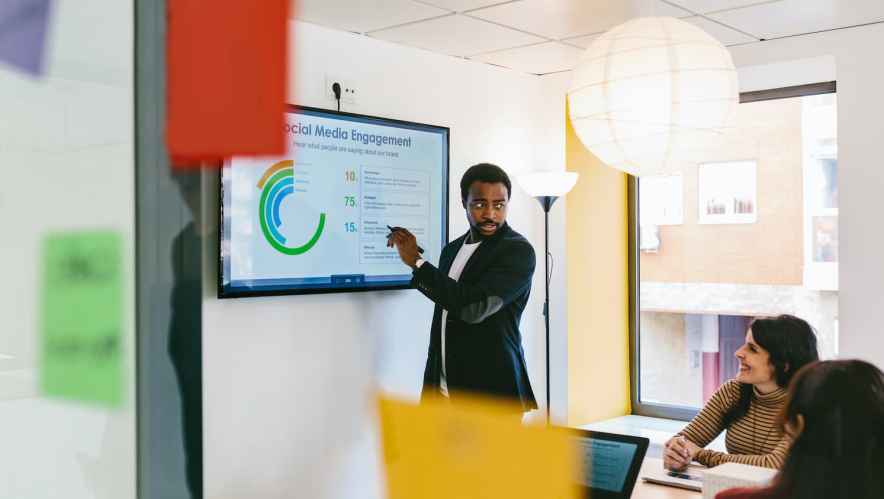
606	463
317	219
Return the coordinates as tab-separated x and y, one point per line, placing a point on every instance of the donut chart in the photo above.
276	184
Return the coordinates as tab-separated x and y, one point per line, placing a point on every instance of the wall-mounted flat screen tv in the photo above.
316	220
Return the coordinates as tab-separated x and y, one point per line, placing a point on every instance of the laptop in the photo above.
609	463
690	478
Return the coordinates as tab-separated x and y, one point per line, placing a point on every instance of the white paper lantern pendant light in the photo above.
649	91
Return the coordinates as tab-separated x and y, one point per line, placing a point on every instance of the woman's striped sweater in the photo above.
754	439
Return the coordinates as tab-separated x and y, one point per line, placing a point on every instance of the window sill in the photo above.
657	430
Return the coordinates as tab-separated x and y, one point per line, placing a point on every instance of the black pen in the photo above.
394	229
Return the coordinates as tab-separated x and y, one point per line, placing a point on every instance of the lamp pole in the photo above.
546	202
546	187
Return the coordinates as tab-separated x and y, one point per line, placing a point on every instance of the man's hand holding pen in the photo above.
406	244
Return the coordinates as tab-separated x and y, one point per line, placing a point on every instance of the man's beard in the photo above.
476	233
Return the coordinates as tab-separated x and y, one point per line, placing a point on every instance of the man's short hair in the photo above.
484	172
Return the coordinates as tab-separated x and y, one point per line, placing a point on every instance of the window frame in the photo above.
658	410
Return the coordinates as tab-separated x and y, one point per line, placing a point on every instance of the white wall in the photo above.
289	382
860	75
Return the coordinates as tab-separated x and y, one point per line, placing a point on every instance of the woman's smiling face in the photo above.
755	366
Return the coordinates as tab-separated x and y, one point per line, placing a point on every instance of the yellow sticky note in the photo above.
473	449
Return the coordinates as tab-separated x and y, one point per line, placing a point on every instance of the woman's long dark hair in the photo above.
839	453
791	344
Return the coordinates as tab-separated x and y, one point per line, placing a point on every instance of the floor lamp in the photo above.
546	187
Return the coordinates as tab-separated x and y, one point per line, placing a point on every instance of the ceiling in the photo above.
548	36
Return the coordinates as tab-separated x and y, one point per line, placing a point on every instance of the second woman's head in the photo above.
775	349
835	415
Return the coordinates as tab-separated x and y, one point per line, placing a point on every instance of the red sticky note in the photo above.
226	79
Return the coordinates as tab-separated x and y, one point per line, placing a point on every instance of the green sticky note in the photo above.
82	318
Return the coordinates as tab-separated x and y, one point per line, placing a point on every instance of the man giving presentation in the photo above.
480	290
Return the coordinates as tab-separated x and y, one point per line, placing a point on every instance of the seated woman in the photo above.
835	414
748	406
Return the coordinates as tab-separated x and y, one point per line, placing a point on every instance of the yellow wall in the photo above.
598	292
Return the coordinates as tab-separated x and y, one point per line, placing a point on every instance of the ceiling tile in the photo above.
537	59
461	5
658	9
661	9
707	6
560	18
582	41
725	35
792	17
365	15
473	36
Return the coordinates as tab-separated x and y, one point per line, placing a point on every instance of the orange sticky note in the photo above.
226	78
473	450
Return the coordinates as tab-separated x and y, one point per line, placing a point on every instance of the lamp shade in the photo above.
651	90
555	184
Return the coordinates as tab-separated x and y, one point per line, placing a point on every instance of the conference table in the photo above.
645	490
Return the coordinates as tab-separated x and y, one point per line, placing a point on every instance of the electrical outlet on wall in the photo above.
348	89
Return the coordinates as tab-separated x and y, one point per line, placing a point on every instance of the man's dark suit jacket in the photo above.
483	346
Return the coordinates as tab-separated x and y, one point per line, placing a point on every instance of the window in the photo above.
726	192
825	239
748	228
825	183
820	149
661	202
68	150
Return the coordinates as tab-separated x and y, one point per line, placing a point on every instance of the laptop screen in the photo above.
606	463
609	463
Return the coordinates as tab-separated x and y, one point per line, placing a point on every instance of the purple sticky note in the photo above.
23	26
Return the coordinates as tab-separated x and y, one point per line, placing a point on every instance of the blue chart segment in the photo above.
277	183
282	189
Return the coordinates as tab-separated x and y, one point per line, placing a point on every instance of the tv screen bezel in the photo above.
224	294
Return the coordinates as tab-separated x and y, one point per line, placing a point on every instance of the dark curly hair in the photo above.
484	172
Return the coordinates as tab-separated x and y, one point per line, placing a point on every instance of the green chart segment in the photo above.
276	184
